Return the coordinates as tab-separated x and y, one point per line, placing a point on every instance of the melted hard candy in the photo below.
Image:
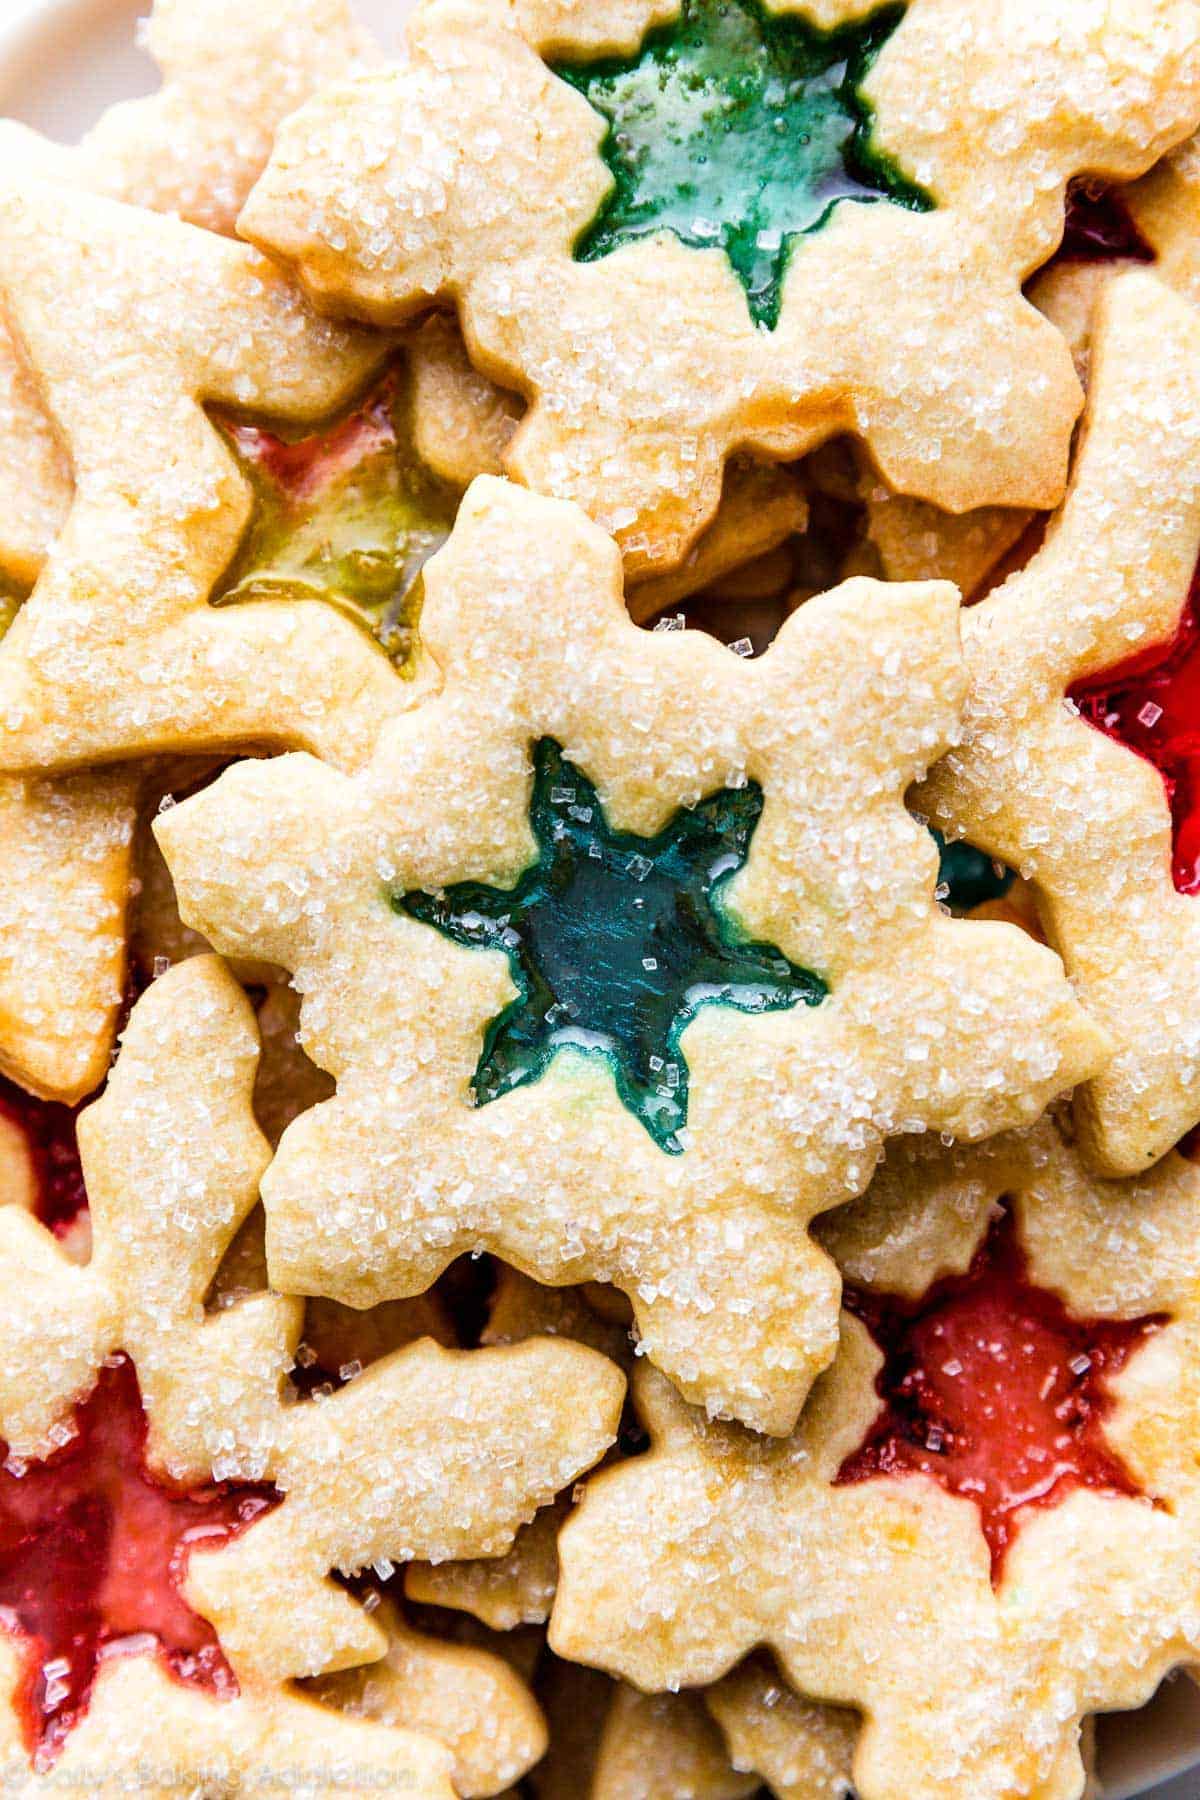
740	129
347	514
995	1390
93	1551
616	941
1151	704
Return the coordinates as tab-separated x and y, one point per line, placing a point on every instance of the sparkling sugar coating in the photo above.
231	73
146	1733
1032	783
465	1697
171	1159
64	885
427	1452
504	1592
117	652
373	1194
470	172
739	127
879	1595
802	1750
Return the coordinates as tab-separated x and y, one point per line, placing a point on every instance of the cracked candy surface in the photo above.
878	1595
1080	815
374	1193
471	171
116	652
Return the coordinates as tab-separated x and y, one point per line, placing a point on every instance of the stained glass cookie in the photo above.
601	949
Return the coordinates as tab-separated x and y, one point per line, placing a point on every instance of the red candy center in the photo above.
302	469
992	1387
93	1551
1151	704
49	1131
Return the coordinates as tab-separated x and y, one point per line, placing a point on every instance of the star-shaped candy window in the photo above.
93	1552
994	1388
1017	1544
615	942
742	128
347	514
1151	704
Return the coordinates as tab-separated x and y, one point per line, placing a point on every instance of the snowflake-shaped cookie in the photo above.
427	1452
614	198
1054	1387
1084	816
125	314
724	979
231	73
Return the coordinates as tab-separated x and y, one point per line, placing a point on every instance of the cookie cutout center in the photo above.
995	1390
736	128
347	514
93	1551
615	942
1151	704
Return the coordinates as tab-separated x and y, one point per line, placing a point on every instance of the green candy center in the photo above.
736	128
347	514
615	942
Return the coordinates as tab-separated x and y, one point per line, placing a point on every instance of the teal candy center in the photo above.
737	128
615	942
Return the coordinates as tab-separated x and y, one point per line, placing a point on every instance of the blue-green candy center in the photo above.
615	942
737	128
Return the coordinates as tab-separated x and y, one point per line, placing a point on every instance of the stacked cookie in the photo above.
598	701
